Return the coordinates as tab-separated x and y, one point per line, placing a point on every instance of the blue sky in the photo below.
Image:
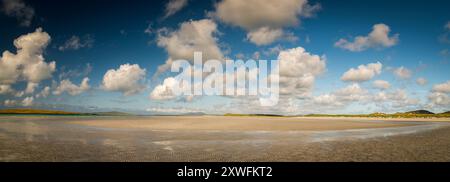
89	38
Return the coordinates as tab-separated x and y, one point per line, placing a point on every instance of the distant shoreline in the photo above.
38	112
411	114
420	114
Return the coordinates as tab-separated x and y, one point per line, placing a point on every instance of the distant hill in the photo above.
113	113
410	114
194	114
180	114
267	115
37	111
419	112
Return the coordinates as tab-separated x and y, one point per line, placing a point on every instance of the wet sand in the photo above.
230	123
219	138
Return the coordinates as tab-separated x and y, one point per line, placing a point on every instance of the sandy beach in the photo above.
222	138
237	123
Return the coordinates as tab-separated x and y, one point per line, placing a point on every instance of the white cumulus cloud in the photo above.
342	97
402	73
190	37
353	92
439	99
6	89
18	9
362	73
443	87
396	99
252	15
327	99
28	101
298	70
264	35
127	79
75	43
381	84
421	81
174	6
44	93
165	91
28	64
9	103
72	89
31	87
440	95
379	37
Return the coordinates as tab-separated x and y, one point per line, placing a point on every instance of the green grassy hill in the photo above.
409	114
37	111
56	112
419	112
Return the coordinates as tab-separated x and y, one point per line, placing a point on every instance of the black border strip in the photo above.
280	170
